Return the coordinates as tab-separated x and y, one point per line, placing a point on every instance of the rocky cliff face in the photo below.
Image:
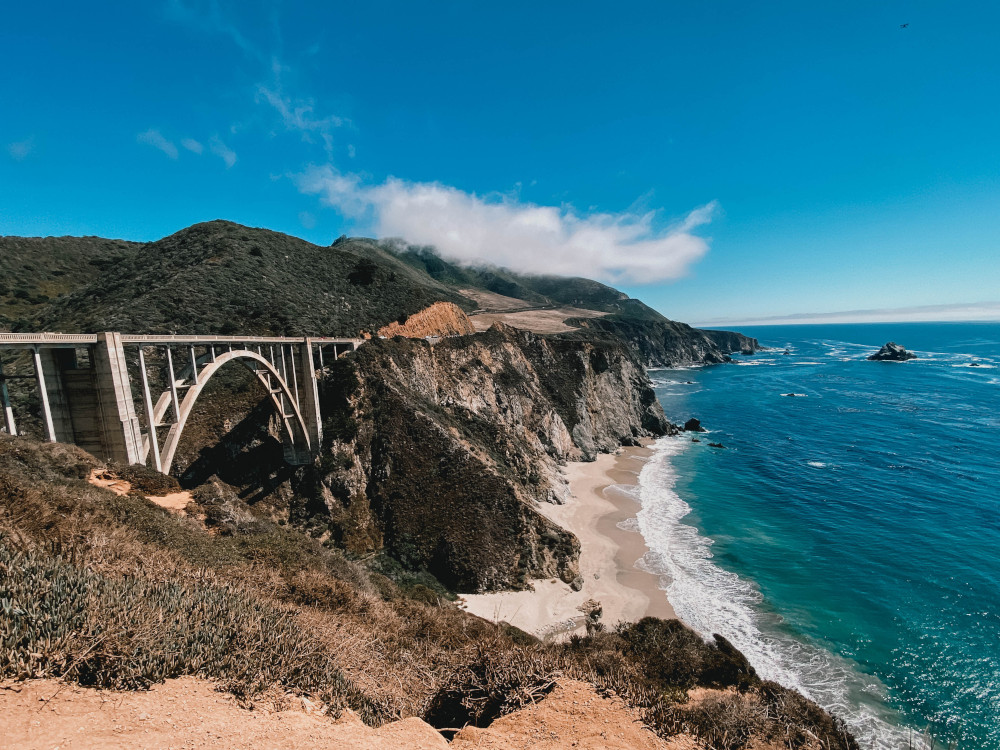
666	343
438	453
440	319
732	342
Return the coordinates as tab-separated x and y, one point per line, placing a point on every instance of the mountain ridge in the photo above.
223	277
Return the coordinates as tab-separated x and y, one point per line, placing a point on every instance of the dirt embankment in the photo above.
189	712
440	319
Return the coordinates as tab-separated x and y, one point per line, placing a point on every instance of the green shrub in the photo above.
126	633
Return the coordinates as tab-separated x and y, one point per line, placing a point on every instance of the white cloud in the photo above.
19	150
192	145
223	151
504	231
210	16
154	138
298	114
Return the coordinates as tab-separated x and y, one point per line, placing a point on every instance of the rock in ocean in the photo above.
892	352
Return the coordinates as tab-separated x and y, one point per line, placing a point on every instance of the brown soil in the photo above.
173	501
521	314
190	713
185	713
538	321
493	302
572	716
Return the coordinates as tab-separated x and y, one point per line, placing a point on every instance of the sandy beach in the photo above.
607	558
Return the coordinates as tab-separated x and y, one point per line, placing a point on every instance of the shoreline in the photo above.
608	554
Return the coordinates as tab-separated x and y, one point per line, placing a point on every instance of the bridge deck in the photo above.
78	339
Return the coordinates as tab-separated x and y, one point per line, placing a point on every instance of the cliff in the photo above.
436	454
440	319
731	342
667	343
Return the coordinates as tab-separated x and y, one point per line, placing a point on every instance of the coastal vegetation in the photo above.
338	579
115	591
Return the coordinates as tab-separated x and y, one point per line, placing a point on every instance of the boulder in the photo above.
892	352
694	425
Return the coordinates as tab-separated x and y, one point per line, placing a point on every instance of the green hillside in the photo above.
571	291
219	277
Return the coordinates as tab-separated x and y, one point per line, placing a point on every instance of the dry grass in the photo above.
132	594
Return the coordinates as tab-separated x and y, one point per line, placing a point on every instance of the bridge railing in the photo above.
65	339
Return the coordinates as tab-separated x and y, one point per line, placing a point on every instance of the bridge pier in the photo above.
121	434
86	395
8	409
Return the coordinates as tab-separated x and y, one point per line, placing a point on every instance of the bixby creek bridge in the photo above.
87	393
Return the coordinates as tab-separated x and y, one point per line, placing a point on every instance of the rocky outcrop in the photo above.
891	352
440	319
667	343
694	425
732	342
437	454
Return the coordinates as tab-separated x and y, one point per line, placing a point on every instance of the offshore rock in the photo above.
892	352
694	425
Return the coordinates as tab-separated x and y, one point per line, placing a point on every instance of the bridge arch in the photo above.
293	423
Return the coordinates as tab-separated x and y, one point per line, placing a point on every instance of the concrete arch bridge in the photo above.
87	392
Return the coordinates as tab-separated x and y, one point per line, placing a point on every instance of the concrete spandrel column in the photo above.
43	395
122	437
53	363
308	393
8	411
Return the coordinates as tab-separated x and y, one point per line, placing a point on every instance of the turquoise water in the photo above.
847	539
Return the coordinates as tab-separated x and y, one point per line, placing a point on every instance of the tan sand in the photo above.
608	556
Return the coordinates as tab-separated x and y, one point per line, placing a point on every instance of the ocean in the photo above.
846	539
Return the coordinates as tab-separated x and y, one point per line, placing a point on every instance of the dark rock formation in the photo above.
666	343
716	445
732	342
694	425
892	352
438	454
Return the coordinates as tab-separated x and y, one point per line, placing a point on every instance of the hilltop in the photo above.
222	277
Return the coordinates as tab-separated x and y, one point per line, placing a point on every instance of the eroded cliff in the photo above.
439	319
438	453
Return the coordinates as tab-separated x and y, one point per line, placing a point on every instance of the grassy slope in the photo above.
115	591
36	270
537	290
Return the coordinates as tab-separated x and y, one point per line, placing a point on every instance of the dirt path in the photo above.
189	713
182	713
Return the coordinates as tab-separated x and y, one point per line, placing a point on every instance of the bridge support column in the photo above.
122	438
308	393
8	411
59	417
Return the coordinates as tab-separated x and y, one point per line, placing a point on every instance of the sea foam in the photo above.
713	600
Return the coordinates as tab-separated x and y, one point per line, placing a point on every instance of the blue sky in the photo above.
723	161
